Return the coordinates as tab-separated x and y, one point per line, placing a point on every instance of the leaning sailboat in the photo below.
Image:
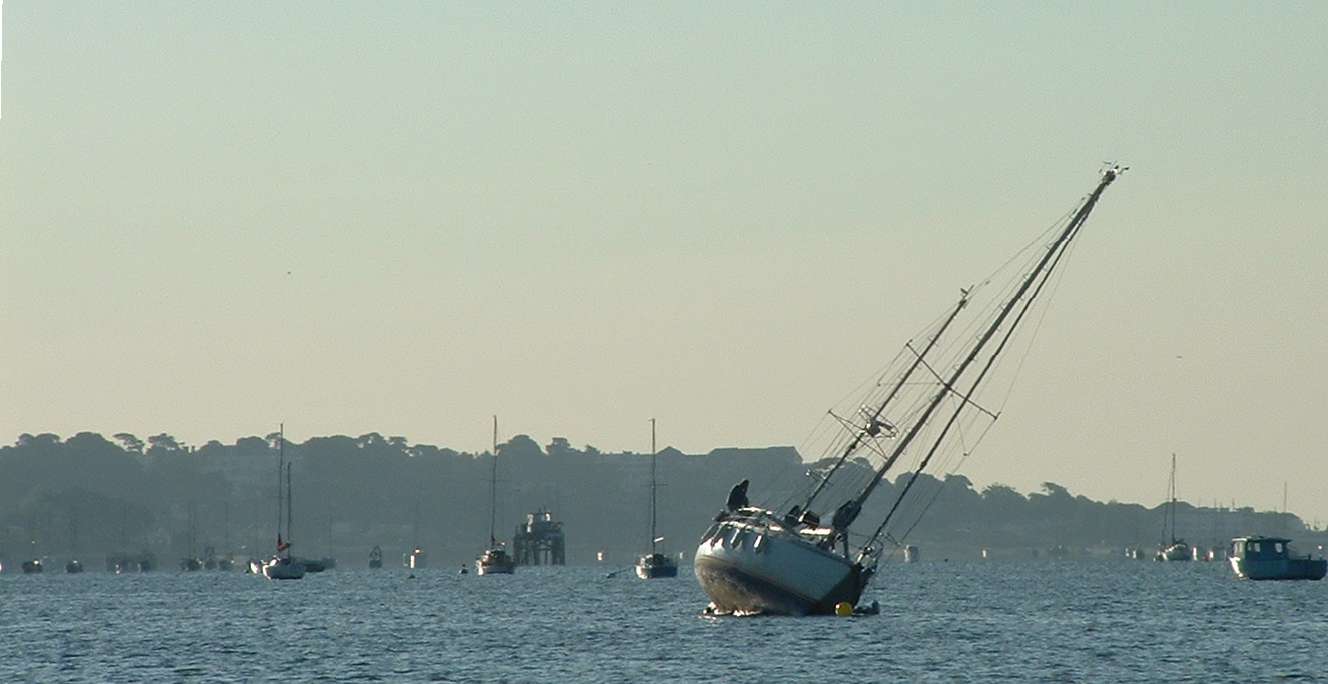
654	564
495	560
756	560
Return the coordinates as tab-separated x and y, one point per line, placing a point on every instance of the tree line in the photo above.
88	496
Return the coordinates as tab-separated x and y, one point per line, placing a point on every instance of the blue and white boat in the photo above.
1272	558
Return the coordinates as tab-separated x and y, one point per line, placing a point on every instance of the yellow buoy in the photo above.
843	609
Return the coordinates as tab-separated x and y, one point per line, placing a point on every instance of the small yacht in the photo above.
1272	558
1177	550
495	560
283	566
73	567
654	565
32	567
376	558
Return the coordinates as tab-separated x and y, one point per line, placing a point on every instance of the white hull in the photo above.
752	565
656	566
1176	552
491	569
277	569
495	561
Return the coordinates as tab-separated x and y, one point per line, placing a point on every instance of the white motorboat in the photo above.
754	560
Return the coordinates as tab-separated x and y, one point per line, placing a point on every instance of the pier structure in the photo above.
539	540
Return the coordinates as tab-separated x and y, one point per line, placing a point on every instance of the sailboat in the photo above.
654	564
1176	549
283	566
495	560
755	560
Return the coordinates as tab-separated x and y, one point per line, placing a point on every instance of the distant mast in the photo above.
493	489
1173	497
653	487
281	467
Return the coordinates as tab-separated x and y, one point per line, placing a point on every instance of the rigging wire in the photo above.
804	484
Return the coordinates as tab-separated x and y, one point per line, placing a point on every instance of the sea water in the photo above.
945	621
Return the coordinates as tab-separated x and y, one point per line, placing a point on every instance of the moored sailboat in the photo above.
1175	549
654	564
755	560
283	566
495	560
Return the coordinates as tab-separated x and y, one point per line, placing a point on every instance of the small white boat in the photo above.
654	565
1177	550
495	560
283	566
1272	558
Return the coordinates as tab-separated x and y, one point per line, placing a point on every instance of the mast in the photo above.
493	489
850	510
653	486
1173	497
874	425
289	507
281	465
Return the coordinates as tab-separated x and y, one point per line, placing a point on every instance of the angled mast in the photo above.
874	423
848	512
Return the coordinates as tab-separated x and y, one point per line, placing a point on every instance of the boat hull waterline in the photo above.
656	566
1284	569
753	567
283	569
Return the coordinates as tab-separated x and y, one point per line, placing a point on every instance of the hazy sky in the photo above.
405	217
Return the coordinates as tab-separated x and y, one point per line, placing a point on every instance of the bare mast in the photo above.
281	466
289	508
850	510
1172	512
653	487
493	489
874	424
